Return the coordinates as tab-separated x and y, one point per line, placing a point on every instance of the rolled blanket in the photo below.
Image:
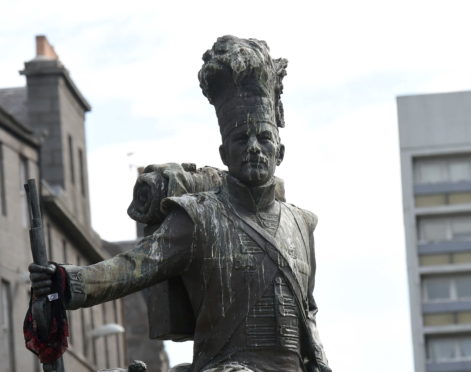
159	181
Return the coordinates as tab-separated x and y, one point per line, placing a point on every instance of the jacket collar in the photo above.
255	199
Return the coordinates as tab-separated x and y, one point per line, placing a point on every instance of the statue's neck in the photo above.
253	199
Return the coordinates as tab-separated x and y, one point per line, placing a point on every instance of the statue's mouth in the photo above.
255	160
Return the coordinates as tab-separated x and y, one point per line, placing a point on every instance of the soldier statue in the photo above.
244	257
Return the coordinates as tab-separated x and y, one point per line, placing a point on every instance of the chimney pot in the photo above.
44	49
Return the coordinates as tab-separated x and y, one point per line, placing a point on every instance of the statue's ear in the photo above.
281	154
222	153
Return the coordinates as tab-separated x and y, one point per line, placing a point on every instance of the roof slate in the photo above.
10	124
13	101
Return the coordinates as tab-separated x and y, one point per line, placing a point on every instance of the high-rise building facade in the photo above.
435	143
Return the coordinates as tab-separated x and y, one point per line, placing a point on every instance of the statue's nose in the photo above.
253	145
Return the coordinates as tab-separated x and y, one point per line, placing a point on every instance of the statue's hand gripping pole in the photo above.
40	306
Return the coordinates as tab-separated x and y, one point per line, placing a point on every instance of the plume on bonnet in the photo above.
240	73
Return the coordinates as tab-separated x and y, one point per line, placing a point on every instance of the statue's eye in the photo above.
265	136
240	138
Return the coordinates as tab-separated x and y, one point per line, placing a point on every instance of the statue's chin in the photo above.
256	177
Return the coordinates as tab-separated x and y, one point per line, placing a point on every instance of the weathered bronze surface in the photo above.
224	244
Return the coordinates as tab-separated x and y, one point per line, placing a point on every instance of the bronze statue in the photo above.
244	258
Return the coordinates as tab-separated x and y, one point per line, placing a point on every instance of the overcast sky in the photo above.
137	63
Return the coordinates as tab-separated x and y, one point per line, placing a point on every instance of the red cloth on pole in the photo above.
55	345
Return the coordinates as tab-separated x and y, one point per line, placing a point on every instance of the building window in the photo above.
93	339
3	199
444	180
107	346
64	251
437	289
463	287
445	259
24	175
70	320
443	319
49	242
430	171
449	169
439	229
118	336
442	350
444	289
449	349
6	327
83	325
435	259
82	172
442	199
36	363
71	160
24	172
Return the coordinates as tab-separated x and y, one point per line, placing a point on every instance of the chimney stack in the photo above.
57	106
44	48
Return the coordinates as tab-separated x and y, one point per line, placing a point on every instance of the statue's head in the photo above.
244	84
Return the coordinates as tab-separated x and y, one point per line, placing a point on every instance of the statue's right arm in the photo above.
165	253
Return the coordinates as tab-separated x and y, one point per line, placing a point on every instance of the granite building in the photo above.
435	143
42	136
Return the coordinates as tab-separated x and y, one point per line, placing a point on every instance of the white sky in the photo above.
136	62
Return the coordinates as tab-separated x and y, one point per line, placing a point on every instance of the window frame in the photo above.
6	303
3	198
458	352
452	289
443	165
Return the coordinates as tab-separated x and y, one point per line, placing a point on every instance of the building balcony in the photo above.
442	188
458	366
446	268
446	306
442	209
451	246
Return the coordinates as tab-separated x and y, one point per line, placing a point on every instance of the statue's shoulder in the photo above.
309	218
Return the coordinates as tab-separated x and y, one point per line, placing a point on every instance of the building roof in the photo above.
17	129
13	101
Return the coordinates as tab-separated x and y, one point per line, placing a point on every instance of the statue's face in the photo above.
252	152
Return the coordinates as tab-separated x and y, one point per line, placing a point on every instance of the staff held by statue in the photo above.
45	326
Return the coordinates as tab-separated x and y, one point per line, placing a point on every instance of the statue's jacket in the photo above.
241	300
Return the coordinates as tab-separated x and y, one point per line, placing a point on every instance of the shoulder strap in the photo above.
269	246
